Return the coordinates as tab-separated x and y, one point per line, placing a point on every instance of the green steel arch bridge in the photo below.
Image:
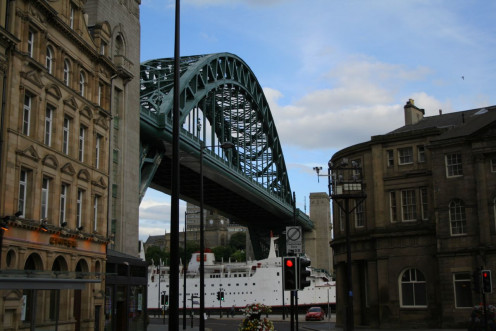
220	101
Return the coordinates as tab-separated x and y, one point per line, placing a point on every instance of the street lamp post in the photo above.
224	146
345	183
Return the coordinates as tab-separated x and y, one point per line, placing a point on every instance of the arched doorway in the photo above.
28	304
81	269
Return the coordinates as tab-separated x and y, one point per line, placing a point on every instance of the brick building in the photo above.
429	220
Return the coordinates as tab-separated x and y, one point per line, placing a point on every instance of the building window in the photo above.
82	81
359	214
405	155
23	189
390	157
103	46
421	153
67	72
45	190
341	220
63	202
30	43
100	91
79	208
408	205
49	59
393	209
66	135
82	131
463	292
424	205
413	289
26	114
97	150
457	217
95	213
453	165
71	17
48	125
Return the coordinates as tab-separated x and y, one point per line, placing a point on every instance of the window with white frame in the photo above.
462	285
413	290
390	157
393	209
408	205
71	16
66	135
421	153
79	207
67	72
45	195
454	165
458	220
63	202
97	150
48	125
82	82
49	59
96	200
82	133
359	214
424	203
26	113
23	189
405	155
30	43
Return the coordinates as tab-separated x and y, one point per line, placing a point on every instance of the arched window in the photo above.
119	45
458	220
413	291
49	59
67	72
82	81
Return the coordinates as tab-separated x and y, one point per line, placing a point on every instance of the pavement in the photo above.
156	324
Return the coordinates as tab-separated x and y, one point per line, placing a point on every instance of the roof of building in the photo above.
155	240
457	124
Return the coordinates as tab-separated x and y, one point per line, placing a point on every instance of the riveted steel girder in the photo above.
220	101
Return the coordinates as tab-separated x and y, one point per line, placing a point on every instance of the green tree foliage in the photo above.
156	254
238	241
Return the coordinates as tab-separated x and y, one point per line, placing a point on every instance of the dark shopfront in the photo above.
125	292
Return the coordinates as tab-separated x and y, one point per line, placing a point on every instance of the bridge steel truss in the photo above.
220	101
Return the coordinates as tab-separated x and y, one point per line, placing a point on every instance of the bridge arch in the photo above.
220	100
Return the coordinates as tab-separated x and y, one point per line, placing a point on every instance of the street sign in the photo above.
294	239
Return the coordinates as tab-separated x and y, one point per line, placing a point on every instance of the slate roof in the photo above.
457	124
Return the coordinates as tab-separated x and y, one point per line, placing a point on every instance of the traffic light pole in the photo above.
292	311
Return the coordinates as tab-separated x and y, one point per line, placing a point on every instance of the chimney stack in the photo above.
413	114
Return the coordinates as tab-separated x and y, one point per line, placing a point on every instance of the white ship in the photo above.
242	283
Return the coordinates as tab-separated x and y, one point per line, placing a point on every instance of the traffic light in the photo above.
303	273
487	286
218	295
222	296
289	273
164	299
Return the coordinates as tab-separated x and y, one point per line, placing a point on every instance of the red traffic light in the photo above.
289	263
484	274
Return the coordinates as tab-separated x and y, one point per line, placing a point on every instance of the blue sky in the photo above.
334	72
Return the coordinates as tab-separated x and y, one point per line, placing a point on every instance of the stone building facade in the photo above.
428	222
65	71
